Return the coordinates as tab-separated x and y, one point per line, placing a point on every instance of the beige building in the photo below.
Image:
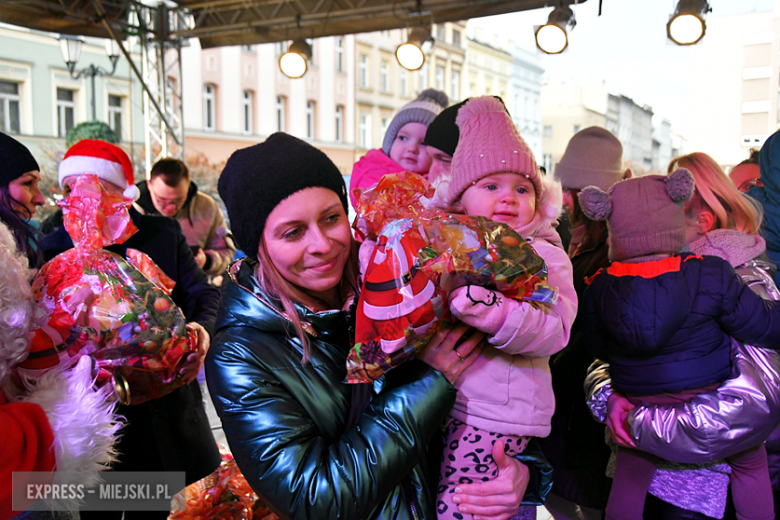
736	100
383	86
567	109
237	96
489	65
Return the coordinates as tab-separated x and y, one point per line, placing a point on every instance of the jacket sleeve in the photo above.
539	331
219	244
290	463
598	388
197	298
745	315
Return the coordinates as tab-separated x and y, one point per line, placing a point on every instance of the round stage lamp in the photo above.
686	26
293	63
410	54
552	38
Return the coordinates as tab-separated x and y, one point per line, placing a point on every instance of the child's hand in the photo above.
481	308
617	420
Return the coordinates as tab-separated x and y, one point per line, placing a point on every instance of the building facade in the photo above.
525	97
237	96
40	101
489	66
633	126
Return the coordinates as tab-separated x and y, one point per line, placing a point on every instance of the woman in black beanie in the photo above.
20	195
308	444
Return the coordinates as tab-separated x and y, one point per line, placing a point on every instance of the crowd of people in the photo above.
648	389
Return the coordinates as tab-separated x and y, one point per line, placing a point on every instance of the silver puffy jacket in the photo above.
740	414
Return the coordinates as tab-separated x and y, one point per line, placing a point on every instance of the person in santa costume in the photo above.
61	424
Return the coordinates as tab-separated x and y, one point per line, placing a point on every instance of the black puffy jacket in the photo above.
286	421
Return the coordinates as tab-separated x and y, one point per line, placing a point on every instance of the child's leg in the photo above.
468	459
750	485
634	472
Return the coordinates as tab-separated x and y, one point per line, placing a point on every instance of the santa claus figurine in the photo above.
59	423
398	301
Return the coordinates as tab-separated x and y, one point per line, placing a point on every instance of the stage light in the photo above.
410	54
686	26
552	38
294	62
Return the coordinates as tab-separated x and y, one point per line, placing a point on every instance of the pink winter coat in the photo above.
369	169
508	389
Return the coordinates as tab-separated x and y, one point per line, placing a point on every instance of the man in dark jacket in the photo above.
171	433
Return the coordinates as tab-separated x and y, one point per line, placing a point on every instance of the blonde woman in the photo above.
720	221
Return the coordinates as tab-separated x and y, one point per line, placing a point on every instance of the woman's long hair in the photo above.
716	192
287	294
595	231
27	237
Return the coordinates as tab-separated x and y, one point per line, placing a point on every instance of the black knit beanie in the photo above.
256	179
443	134
15	159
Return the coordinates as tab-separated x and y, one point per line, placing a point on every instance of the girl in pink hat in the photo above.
507	393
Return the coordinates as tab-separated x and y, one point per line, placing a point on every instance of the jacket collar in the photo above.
245	302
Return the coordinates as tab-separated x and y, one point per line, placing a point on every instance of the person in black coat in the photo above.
171	433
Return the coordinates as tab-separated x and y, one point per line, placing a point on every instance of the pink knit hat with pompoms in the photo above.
489	143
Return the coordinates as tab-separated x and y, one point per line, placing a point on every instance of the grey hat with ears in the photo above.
645	215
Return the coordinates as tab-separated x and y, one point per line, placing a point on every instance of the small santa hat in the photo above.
107	161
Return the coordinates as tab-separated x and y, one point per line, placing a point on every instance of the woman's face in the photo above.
307	237
25	194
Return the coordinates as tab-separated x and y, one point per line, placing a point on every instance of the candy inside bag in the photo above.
99	304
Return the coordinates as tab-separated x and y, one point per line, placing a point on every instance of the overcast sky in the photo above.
626	47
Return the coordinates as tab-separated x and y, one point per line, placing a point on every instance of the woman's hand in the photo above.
497	499
617	420
441	352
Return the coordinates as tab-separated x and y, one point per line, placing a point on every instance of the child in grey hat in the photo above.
664	320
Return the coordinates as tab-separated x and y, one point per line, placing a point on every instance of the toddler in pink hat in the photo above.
507	393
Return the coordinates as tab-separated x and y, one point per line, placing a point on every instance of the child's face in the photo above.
508	198
408	150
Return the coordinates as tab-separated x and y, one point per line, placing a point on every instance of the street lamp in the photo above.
70	46
293	63
686	26
551	38
410	54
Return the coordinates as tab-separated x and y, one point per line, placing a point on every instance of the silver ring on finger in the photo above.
459	356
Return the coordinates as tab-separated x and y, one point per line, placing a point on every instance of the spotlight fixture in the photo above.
551	38
293	63
686	26
410	54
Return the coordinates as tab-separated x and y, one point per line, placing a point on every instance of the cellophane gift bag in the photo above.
421	255
119	312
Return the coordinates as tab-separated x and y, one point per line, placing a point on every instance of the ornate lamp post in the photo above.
71	52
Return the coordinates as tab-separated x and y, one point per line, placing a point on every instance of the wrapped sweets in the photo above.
416	263
101	305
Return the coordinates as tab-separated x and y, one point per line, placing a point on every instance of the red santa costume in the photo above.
58	423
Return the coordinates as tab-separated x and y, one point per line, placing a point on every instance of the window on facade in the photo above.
280	108
339	123
547	131
281	48
248	48
365	131
66	110
9	107
472	89
440	32
247	112
422	75
385	124
310	119
363	71
455	87
439	77
339	54
384	76
576	128
209	109
456	38
404	82
115	114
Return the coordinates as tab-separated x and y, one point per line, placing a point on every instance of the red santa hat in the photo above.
107	161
